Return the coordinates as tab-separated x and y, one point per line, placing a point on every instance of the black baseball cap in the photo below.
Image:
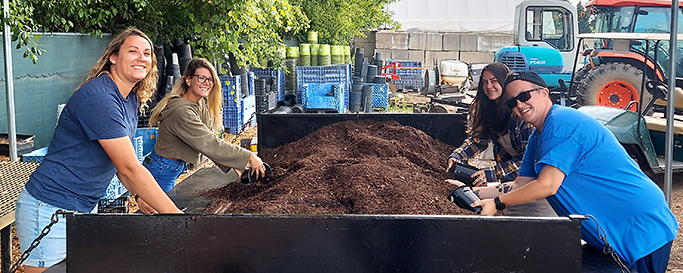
527	75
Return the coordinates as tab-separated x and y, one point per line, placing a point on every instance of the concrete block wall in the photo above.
426	46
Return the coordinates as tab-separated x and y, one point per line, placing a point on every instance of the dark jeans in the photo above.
164	170
656	262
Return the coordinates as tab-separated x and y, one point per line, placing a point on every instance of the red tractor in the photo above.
613	73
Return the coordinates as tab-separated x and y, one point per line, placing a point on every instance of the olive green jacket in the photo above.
184	134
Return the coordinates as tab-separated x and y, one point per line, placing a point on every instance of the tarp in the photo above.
455	15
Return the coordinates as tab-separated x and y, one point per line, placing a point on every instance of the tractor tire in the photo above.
612	84
577	79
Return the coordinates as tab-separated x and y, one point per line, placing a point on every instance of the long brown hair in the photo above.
214	99
488	118
144	88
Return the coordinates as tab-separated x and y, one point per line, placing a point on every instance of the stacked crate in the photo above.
332	74
410	73
248	109
232	103
273	77
266	96
115	198
316	96
380	95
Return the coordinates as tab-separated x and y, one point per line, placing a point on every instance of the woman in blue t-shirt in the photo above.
92	142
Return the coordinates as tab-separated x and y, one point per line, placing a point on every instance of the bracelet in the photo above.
136	197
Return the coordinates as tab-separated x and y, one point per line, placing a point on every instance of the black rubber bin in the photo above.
24	144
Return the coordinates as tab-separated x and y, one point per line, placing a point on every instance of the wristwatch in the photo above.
499	205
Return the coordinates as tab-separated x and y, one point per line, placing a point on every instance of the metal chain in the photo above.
244	125
53	220
607	248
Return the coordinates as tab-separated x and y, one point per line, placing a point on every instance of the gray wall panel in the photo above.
38	89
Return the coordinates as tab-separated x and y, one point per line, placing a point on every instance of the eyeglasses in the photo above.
523	97
203	79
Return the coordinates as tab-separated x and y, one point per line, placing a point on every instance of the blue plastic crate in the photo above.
380	95
118	205
277	75
115	188
232	119
35	156
232	87
333	74
315	97
408	72
406	63
149	138
249	108
250	78
409	84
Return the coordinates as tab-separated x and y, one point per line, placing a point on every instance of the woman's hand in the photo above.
457	183
488	207
479	178
145	208
451	162
256	165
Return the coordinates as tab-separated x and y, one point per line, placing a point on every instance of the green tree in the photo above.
216	26
338	21
251	29
22	27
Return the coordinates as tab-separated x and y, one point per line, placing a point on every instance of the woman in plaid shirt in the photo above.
491	120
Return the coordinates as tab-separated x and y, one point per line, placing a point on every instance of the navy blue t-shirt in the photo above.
76	171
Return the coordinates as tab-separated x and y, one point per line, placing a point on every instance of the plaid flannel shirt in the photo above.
507	166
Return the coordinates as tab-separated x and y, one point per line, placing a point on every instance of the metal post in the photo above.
6	247
668	168
9	84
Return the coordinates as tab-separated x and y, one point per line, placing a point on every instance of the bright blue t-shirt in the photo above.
601	180
76	171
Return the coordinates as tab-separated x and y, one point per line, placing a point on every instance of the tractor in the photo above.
546	42
612	75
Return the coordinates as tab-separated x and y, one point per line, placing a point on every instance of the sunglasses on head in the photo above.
523	97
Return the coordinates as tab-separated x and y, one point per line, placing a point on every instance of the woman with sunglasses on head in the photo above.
188	119
491	120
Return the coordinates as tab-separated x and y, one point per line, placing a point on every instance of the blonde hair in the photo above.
146	87
214	99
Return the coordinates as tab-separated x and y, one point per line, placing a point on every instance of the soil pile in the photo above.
352	167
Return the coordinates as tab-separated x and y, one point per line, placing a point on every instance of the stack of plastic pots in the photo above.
358	67
305	55
347	54
313	37
366	98
290	76
336	53
315	48
324	57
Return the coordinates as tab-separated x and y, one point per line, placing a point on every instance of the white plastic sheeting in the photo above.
455	15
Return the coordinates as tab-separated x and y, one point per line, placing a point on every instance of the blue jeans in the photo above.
656	261
32	215
164	170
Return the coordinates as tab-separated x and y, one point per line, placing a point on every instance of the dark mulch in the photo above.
352	167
